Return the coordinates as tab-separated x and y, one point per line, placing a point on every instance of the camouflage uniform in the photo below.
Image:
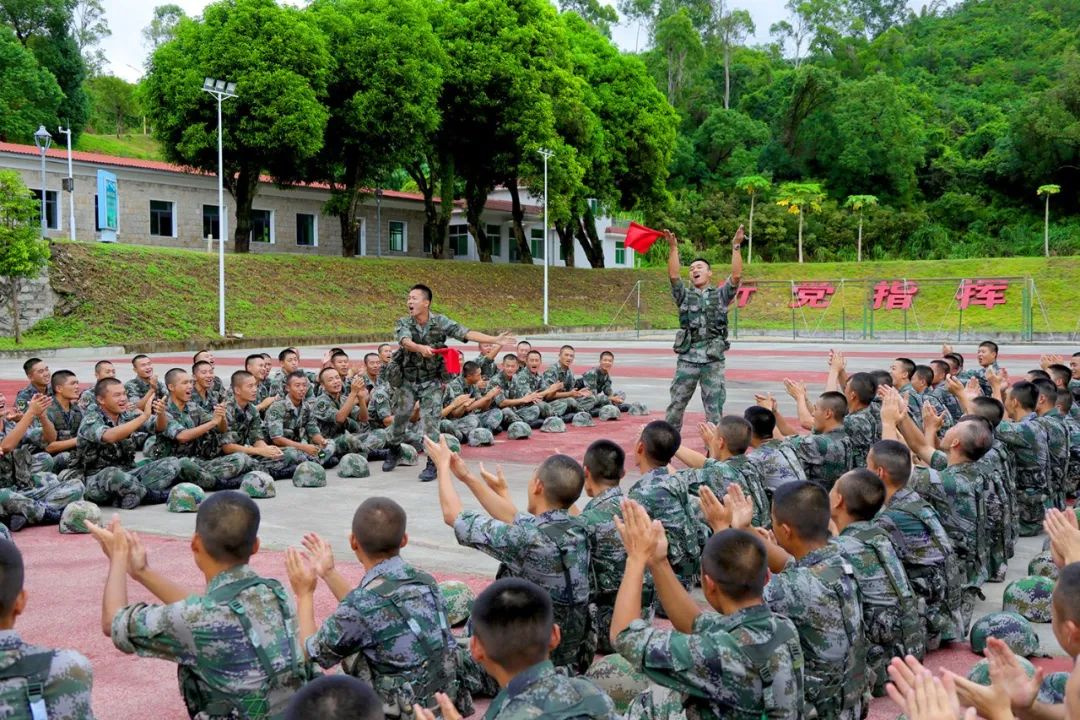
24	396
557	373
947	399
67	427
915	403
516	388
541	692
488	367
996	469
459	427
380	408
927	553
65	677
1072	425
275	385
738	469
219	472
221	666
246	428
392	632
351	436
136	390
1029	446
892	624
1057	446
414	377
208	402
819	594
666	498
284	419
824	456
980	374
700	344
265	389
599	384
864	429
776	463
87	399
38	496
550	550
747	665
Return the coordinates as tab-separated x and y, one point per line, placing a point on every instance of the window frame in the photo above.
172	218
251	233
404	236
314	230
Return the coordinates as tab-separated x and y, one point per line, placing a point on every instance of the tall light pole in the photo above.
70	187
546	154
378	222
43	140
220	90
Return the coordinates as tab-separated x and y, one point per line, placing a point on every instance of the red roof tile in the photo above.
615	230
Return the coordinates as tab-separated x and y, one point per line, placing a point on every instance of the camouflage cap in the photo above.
1052	691
185	497
583	419
459	599
409	455
518	431
354	465
609	412
1030	596
638	409
553	425
614	675
309	475
480	436
5	533
1009	627
980	671
452	442
258	485
1043	565
73	521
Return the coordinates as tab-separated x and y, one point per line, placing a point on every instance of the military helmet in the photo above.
637	408
553	425
309	475
459	599
980	671
1030	596
582	419
258	485
518	431
409	455
185	497
1043	565
452	442
609	412
73	520
615	676
1052	691
354	465
480	436
1011	628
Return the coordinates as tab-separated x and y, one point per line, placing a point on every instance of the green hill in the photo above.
131	145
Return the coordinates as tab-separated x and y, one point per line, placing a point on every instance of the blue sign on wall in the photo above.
108	206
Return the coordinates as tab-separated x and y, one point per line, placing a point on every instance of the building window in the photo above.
262	226
494	233
459	240
161	218
306	230
537	244
397	236
620	252
211	222
52	220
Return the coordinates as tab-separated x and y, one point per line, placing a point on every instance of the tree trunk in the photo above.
243	187
15	310
1046	228
589	240
727	76
441	229
800	235
565	231
475	199
858	256
517	213
750	237
426	186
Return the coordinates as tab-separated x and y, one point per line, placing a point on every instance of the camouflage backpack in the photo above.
22	685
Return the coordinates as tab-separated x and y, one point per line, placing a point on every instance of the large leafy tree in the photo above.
88	28
280	64
162	25
23	253
29	94
800	198
113	103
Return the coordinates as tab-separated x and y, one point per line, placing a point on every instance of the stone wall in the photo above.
37	301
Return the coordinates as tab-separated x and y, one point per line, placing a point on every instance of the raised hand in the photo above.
439	452
717	514
931	419
320	553
38	405
641	536
740	507
105	535
1006	671
301	574
794	388
446	708
137	561
739	235
496	481
1064	536
707	431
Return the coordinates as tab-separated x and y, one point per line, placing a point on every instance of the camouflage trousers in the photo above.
361	442
283	467
528	413
224	472
62	461
461	427
601	610
44	462
429	394
998	520
1033	502
657	703
687	377
111	484
49	493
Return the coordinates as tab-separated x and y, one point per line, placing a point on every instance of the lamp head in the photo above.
42	138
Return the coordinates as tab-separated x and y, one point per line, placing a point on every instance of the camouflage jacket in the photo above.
979	373
325	409
66	686
136	389
598	381
414	367
962	512
24	396
184	418
702	335
864	429
16	469
1030	448
1057	446
557	373
213	397
667	498
87	399
540	692
776	463
66	424
488	368
607	554
276	385
245	425
942	395
93	454
738	469
284	419
380	406
512	388
824	456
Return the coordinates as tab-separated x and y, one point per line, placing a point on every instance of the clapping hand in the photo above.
644	539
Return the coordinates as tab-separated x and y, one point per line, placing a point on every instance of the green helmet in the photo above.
309	475
1030	596
1009	627
409	455
480	436
1052	691
328	451
354	465
553	425
76	515
583	419
614	675
5	534
609	412
980	671
1043	565
459	599
185	497
452	442
258	485
518	431
638	409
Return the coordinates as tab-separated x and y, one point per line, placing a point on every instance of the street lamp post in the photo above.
70	188
220	90
546	154
43	140
378	221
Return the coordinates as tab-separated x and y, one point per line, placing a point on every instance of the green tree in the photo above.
23	253
859	203
678	42
594	12
113	103
88	28
29	95
162	25
280	65
732	29
800	198
1047	190
752	185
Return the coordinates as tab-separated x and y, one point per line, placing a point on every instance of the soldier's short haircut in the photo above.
1047	389
368	356
989	345
286	353
605	462
299	374
941	366
894	458
863	493
379	526
701	260
762	421
1026	394
252	358
1064	401
102	385
29	365
469	368
975	439
834	402
567	347
531	353
924	373
607	353
195	357
227	522
979	419
908	364
137	358
1037	374
881	377
512	618
266	356
661	441
736	433
339	353
862	385
59	378
526	343
335	697
239	377
510	357
736	561
11	576
334	351
957	359
989	408
100	364
424	289
170	377
1060	374
562	479
804	506
1066	597
198	365
381	346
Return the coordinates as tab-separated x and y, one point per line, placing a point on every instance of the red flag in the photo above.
452	358
640	238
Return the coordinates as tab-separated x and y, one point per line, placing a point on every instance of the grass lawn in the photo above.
132	145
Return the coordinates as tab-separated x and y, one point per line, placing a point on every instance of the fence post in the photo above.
794	332
637	324
843	323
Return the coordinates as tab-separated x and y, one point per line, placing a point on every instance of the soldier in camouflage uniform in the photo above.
561	374
259	366
827	453
102	369
702	337
998	469
921	543
532	372
139	387
372	369
727	463
598	382
467	407
774	459
290	423
862	422
921	392
343	416
891	620
208	357
290	363
1028	443
486	360
417	372
37	372
56	683
986	354
205	391
1065	405
247	435
523	392
940	388
815	587
392	629
237	647
381	415
1057	440
105	452
55	432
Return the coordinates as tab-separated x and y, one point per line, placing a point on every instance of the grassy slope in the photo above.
128	294
133	145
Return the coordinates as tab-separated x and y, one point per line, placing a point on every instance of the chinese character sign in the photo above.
743	294
894	295
812	295
987	293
